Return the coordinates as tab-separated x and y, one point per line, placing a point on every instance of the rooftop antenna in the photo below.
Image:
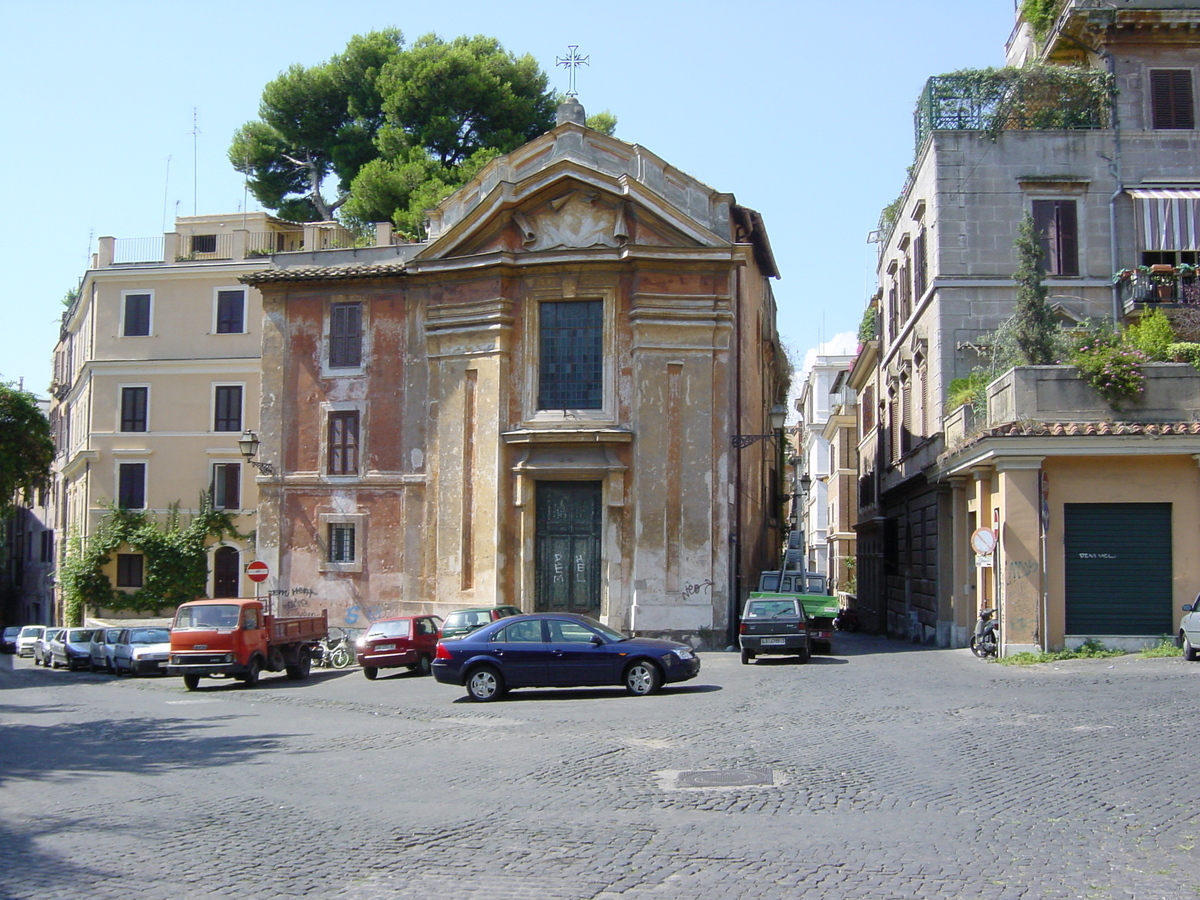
166	190
195	157
571	62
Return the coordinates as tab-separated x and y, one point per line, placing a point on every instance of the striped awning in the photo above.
1167	218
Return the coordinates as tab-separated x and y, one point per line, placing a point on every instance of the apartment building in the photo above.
1094	135
156	376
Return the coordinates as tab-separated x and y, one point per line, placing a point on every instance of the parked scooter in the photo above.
985	641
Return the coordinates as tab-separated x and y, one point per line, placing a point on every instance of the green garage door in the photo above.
1118	568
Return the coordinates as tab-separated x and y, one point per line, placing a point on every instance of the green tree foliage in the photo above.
175	560
26	449
1033	320
398	127
1041	15
315	123
1153	335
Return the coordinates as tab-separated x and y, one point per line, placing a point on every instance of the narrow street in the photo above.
887	771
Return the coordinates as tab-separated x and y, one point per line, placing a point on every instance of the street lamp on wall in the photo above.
248	446
777	417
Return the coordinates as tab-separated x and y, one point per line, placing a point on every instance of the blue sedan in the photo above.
559	650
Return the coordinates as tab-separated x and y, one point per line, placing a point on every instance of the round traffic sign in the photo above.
983	541
257	571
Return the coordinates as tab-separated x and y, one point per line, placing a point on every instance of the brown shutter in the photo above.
1171	101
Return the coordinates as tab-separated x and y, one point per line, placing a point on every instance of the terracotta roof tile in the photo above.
325	273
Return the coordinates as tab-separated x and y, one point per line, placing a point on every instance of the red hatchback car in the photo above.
407	641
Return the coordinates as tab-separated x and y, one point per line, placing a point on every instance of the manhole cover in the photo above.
724	777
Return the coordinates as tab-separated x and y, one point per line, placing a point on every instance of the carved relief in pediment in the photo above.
576	220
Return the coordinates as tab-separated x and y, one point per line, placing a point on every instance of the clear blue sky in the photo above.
801	109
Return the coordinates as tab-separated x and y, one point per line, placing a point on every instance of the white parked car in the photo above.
29	636
139	651
1189	631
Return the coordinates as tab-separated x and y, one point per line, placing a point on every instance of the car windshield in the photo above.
222	616
32	631
770	609
79	635
611	633
150	636
473	617
10	632
391	628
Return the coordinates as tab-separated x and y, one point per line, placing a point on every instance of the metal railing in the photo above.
127	251
994	100
1145	287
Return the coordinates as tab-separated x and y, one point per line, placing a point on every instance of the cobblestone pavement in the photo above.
884	772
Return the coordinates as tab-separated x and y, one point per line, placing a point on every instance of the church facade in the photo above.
535	407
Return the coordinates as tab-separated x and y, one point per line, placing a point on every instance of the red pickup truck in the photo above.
240	639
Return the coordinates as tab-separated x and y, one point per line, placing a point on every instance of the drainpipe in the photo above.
1114	166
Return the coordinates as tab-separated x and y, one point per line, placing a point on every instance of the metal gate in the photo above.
568	547
1118	568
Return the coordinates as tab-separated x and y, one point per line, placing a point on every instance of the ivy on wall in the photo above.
174	560
1041	15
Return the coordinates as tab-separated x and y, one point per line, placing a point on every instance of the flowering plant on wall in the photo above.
1111	366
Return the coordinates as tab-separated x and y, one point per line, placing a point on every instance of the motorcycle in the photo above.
985	641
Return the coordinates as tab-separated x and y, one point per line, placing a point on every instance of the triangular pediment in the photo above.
572	190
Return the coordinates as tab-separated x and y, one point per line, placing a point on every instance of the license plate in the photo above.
773	642
383	648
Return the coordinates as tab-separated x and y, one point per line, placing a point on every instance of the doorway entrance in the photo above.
227	571
567	554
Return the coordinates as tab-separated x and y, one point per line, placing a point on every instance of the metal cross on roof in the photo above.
571	62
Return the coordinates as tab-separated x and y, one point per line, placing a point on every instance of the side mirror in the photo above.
1189	607
596	640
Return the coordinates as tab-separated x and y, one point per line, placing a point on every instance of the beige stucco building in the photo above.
156	375
535	407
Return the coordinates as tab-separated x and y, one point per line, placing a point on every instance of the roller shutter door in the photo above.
1118	568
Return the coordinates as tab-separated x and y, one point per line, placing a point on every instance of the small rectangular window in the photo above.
228	408
204	243
47	546
345	335
231	312
129	570
133	408
571	361
226	486
137	315
1172	104
1057	225
131	488
343	443
341	543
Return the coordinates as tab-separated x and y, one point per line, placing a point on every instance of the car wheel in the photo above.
804	656
642	678
250	679
747	657
424	665
1190	653
485	684
370	673
191	682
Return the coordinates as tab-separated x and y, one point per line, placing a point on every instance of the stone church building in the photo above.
536	407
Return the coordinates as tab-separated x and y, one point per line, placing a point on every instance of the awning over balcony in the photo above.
1167	218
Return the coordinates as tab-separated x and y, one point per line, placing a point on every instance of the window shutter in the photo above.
1171	101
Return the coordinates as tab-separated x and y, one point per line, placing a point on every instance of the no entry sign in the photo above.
257	571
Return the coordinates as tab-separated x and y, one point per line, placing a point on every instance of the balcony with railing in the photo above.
1163	284
236	245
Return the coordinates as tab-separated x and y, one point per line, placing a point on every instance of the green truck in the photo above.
820	608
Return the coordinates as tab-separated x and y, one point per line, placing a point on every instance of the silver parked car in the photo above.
72	649
1189	631
41	647
100	650
140	651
